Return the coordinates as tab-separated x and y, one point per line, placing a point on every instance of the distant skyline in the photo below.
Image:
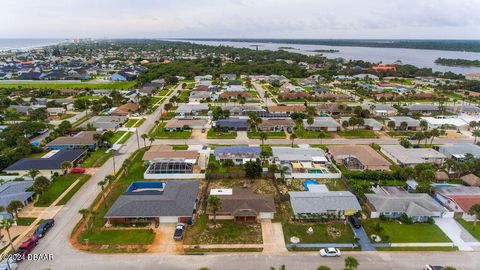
315	19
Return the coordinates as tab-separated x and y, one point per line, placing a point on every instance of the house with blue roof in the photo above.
238	154
15	191
232	124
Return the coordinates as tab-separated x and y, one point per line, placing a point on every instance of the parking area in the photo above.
163	242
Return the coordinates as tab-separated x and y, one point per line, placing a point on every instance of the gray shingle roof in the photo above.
14	190
296	154
304	202
177	199
419	204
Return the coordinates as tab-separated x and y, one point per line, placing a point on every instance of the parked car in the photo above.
330	252
77	170
43	228
179	231
355	221
25	248
432	267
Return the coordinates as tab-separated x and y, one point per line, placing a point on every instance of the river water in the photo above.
419	58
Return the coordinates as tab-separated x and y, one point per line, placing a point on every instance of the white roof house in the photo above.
370	123
459	151
322	123
308	203
412	124
412	156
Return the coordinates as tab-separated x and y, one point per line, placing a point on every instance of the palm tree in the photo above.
33	173
126	164
214	204
144	136
109	178
151	139
391	125
102	186
282	267
321	136
293	136
323	267
14	206
423	124
263	137
6	224
475	211
84	212
282	170
351	263
476	133
66	165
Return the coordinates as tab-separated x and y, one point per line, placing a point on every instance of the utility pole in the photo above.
138	141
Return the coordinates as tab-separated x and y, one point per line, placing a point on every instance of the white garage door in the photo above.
168	219
266	215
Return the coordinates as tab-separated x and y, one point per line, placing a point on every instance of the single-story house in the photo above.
176	124
166	163
412	124
412	156
197	96
82	140
393	202
284	111
228	77
424	109
156	202
369	124
49	164
358	157
459	199
238	154
322	123
237	124
381	109
243	205
458	151
105	123
276	124
313	204
125	109
15	191
243	110
191	109
235	95
56	111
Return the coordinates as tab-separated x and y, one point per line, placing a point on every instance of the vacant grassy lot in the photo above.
322	233
97	158
25	221
116	136
406	233
58	185
183	96
212	134
74	190
224	232
309	134
70	85
357	134
270	135
468	225
163	92
139	123
118	237
159	132
131	122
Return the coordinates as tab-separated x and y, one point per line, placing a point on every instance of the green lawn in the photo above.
212	134
183	96
406	233
130	122
167	115
90	97
320	233
126	137
163	92
97	158
56	188
116	136
66	116
227	232
357	133
310	134
270	135
74	190
417	248
179	147
70	85
159	132
118	237
468	225
400	133
139	123
25	221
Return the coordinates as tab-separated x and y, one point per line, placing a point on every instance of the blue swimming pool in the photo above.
309	182
443	185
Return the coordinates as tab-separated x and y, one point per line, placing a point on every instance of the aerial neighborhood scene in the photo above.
304	144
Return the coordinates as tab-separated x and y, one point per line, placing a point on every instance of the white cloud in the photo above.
241	18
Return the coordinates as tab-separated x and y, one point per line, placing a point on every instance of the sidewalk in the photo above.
460	237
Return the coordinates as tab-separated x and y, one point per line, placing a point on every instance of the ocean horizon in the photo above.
8	44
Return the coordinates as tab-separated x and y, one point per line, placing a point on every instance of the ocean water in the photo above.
7	44
416	57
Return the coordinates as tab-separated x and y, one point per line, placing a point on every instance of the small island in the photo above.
325	51
287	48
457	62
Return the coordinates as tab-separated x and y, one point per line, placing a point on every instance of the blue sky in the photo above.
443	19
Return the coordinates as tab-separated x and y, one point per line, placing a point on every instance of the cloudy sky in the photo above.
444	19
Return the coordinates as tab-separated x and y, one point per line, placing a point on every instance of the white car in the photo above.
330	252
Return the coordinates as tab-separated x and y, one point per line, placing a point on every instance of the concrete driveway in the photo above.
459	236
272	235
363	238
